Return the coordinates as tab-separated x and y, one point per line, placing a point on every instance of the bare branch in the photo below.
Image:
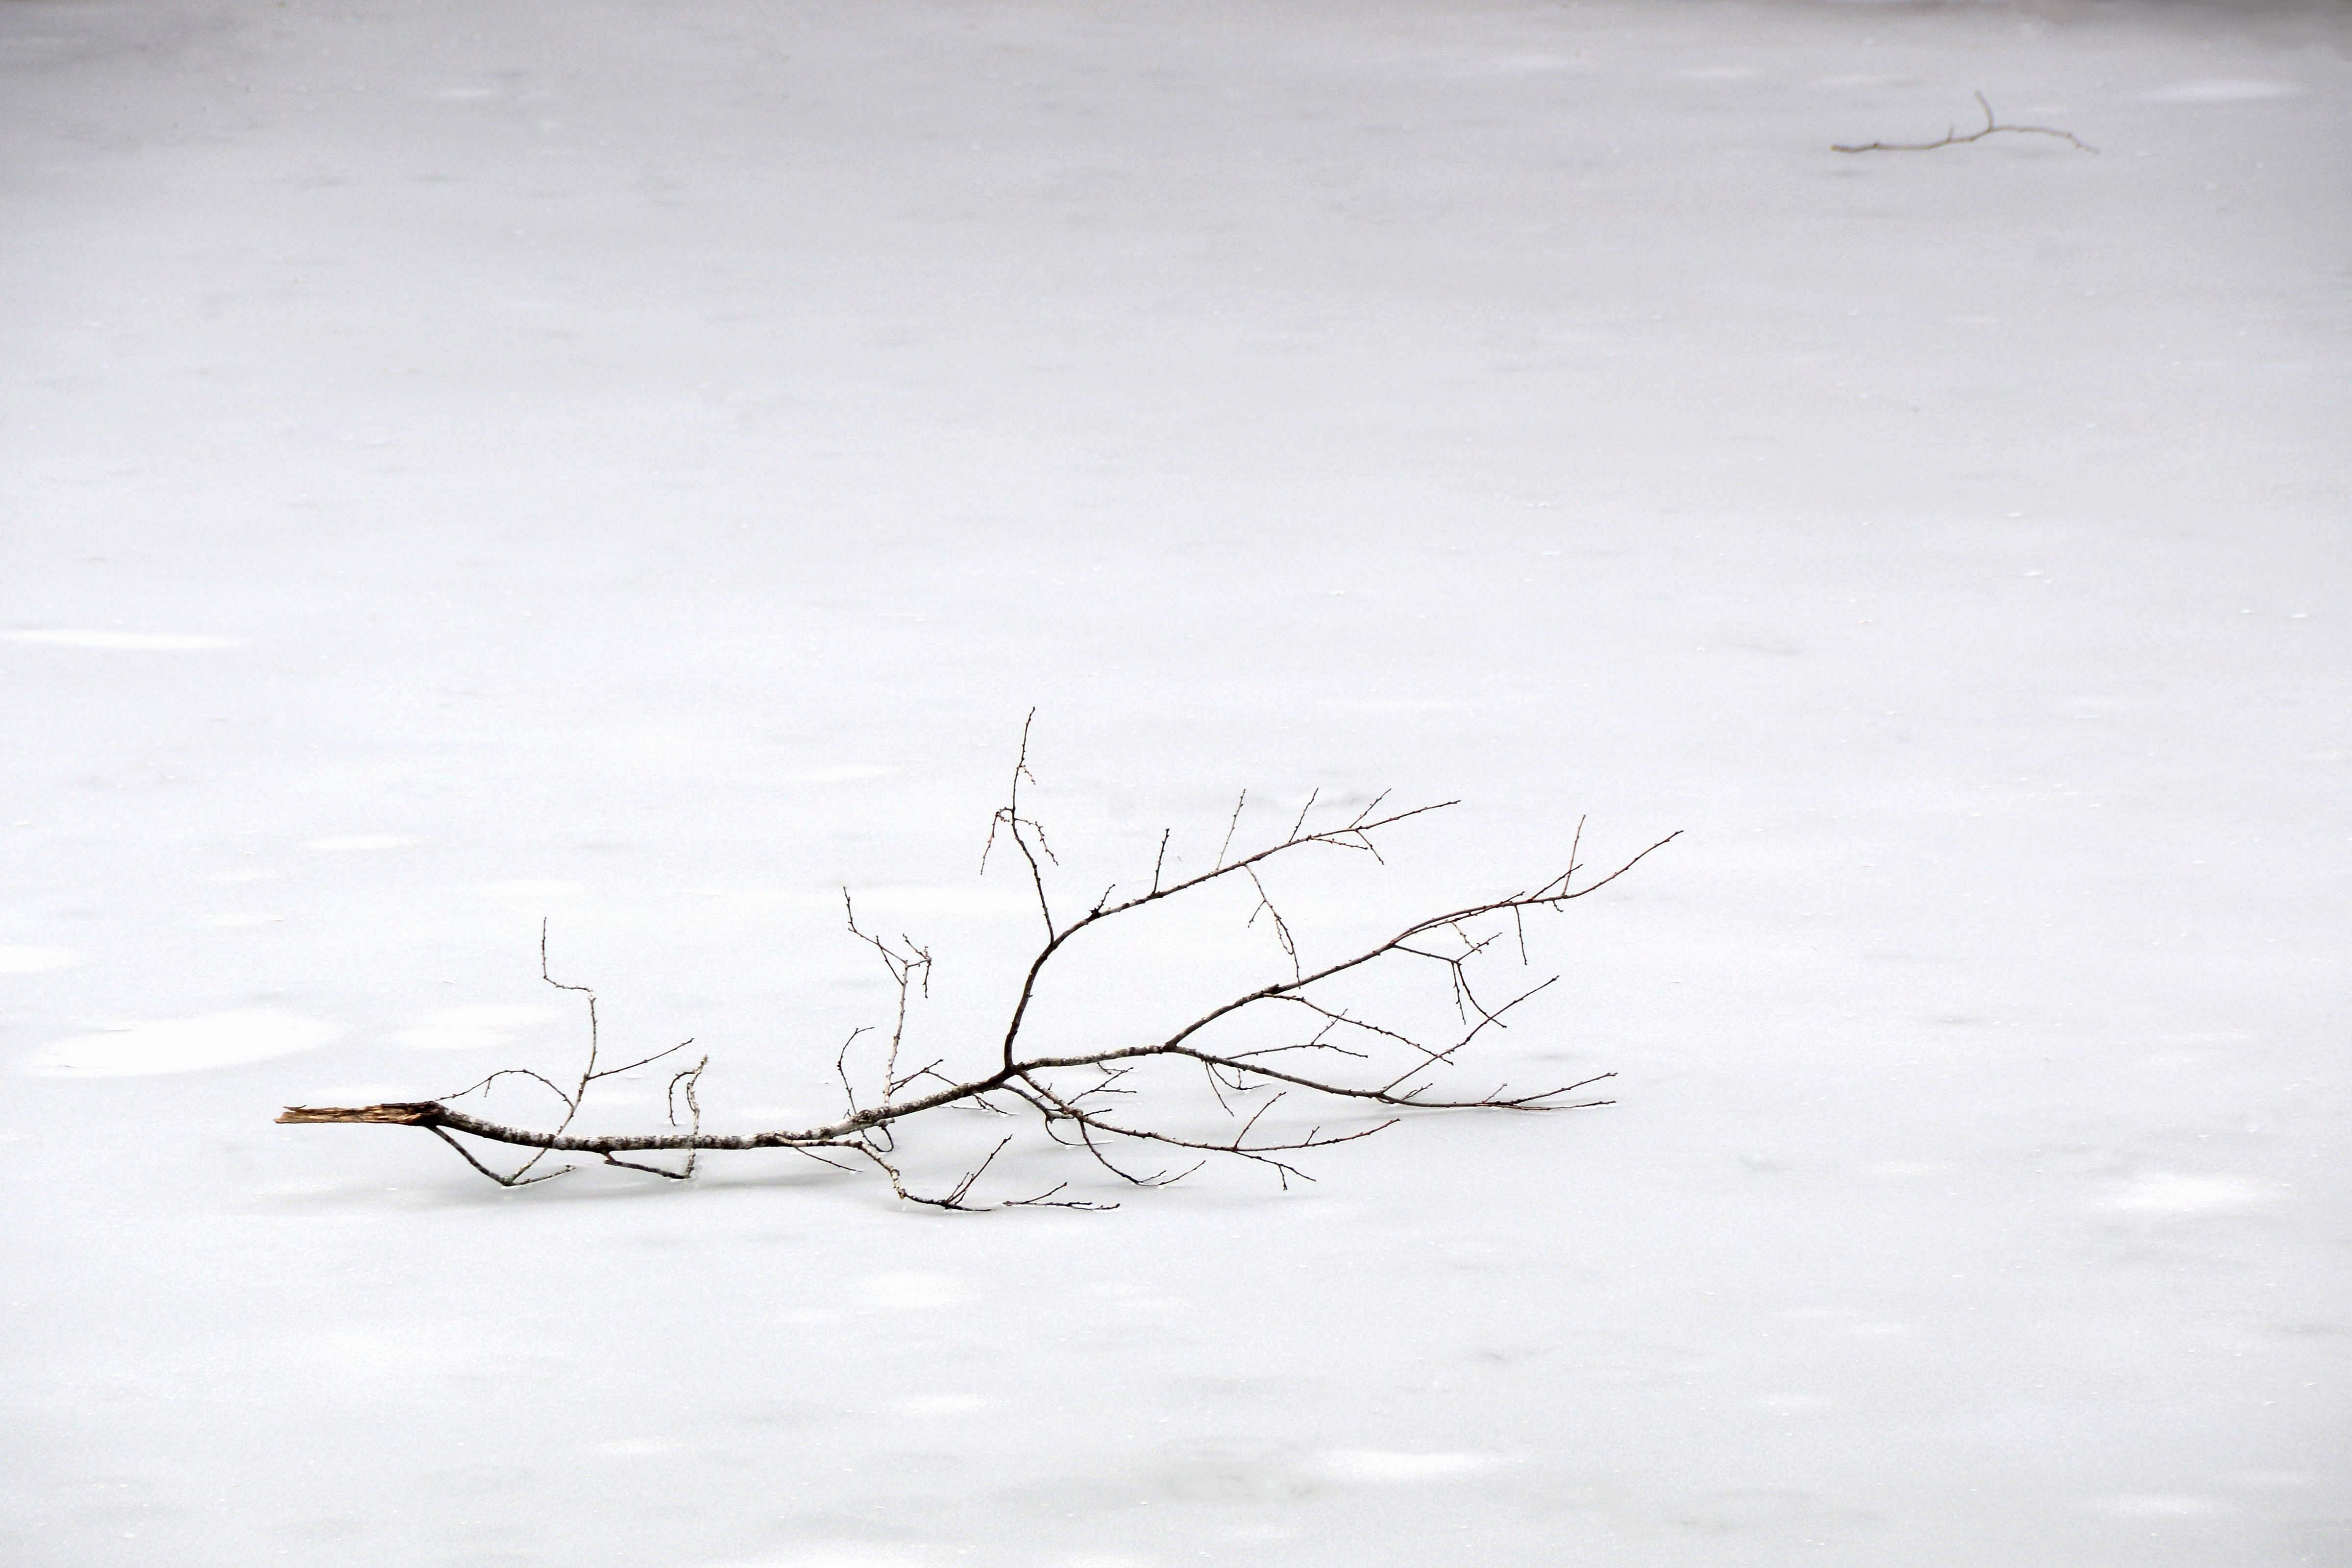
1256	1092
1952	137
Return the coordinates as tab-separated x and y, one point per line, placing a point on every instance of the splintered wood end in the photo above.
407	1113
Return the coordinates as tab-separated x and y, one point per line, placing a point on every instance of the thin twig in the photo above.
1952	137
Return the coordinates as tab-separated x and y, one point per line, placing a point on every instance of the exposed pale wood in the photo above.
403	1113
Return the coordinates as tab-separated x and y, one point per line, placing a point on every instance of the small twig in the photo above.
645	1061
1952	137
516	1180
905	969
1235	821
691	1078
1046	1200
504	1072
587	1073
1299	825
1281	927
1009	816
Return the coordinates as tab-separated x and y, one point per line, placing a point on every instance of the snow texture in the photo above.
637	463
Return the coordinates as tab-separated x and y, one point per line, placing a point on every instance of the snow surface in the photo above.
635	464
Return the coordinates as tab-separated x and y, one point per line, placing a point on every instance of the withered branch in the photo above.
1114	1110
1953	138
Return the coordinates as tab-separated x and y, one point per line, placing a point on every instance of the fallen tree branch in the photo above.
1952	138
1103	1115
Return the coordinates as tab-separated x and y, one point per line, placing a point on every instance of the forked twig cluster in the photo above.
1953	138
1094	1100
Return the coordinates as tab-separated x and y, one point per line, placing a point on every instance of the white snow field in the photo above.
636	464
